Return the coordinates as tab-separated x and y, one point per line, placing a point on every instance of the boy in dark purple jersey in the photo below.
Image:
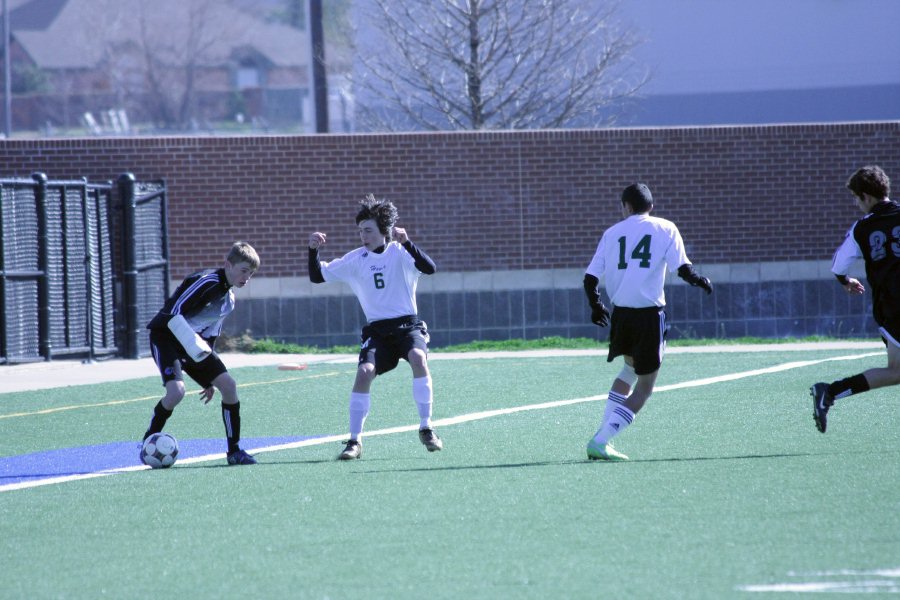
183	337
875	238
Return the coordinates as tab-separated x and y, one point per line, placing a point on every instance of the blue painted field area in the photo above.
83	460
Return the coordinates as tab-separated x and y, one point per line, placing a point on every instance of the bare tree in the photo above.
170	63
154	55
493	64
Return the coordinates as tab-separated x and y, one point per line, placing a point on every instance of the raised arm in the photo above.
316	239
422	261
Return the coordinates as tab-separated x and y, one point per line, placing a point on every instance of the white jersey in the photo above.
385	283
632	256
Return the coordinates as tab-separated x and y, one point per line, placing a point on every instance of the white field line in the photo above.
874	581
476	416
866	586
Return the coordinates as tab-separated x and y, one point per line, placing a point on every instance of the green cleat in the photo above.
597	451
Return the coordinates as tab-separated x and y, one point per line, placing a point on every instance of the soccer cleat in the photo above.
597	451
239	457
822	401
352	450
430	439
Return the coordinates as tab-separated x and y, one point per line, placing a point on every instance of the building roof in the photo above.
32	14
82	33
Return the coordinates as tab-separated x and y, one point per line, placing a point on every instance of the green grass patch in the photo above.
270	346
729	485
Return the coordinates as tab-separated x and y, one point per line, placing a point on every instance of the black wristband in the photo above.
842	279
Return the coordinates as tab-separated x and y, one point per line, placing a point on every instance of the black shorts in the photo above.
890	333
166	349
887	315
384	343
639	333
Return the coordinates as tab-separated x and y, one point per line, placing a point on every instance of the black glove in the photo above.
705	284
599	315
686	272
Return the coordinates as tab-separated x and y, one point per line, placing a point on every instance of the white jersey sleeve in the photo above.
343	268
632	258
846	254
597	266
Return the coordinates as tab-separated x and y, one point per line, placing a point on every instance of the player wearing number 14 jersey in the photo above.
631	258
875	238
383	274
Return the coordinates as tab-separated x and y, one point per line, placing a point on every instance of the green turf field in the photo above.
731	492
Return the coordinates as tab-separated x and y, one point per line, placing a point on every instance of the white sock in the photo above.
423	395
615	419
359	410
613	400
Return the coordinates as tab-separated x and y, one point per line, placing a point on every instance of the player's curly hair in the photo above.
383	212
870	180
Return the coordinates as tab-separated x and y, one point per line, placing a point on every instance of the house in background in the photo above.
174	65
180	65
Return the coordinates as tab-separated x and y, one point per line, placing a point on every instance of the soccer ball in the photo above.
159	451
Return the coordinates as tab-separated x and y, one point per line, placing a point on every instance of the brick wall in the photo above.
511	219
496	200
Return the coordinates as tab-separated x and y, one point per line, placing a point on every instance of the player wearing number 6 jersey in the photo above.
383	274
631	258
875	238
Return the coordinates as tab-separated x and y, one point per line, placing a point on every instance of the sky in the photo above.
701	46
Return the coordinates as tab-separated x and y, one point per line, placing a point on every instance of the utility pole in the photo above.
7	78
320	85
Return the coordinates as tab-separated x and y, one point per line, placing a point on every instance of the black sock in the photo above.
160	415
231	416
849	386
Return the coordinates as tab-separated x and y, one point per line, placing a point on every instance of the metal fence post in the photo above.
3	351
40	196
88	268
129	272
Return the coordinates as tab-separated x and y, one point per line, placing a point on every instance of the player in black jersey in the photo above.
183	338
875	238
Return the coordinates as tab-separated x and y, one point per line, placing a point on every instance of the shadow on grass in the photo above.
261	463
586	461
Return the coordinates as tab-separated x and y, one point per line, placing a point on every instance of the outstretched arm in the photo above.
315	267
